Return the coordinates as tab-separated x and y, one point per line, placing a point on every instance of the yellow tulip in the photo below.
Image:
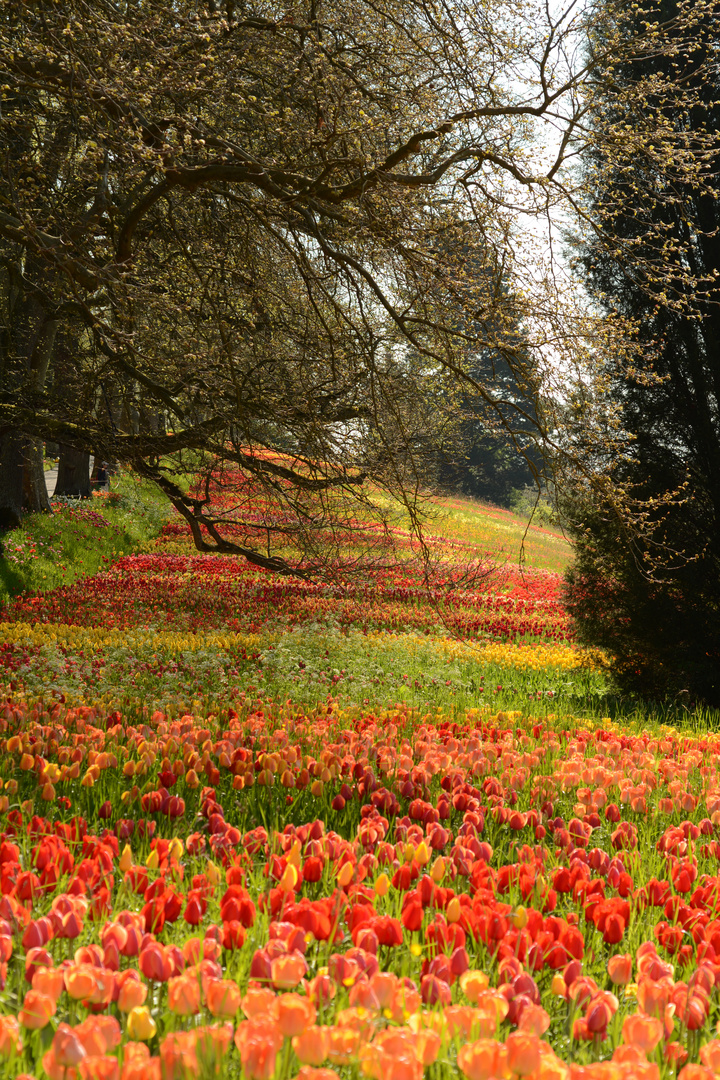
289	879
453	911
294	856
212	873
519	917
422	854
382	885
140	1024
437	871
345	874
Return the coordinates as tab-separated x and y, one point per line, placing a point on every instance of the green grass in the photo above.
502	532
79	538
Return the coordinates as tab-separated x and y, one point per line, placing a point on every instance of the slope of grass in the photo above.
79	538
502	532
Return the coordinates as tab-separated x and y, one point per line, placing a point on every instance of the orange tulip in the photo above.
260	1001
523	1053
310	1046
154	962
551	1067
384	985
696	1072
258	1042
295	1014
405	1002
222	997
50	981
37	1010
54	1070
427	1047
99	1068
177	1055
642	1031
307	1072
184	995
652	997
478	1060
135	1051
629	1053
534	1020
362	994
99	1034
67	1046
710	1055
132	991
382	1065
10	1041
81	981
287	970
473	983
137	1069
620	969
342	1044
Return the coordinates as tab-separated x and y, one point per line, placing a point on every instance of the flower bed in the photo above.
276	891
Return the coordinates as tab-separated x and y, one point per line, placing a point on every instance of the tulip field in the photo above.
256	827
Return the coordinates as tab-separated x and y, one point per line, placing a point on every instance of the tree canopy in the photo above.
228	230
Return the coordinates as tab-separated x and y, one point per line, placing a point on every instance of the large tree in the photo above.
222	240
651	596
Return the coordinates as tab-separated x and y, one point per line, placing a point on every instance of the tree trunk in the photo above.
35	493
73	479
11	479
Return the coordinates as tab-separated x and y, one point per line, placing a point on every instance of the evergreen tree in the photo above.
651	597
494	449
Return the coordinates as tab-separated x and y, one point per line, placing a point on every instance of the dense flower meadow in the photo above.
171	623
274	891
221	854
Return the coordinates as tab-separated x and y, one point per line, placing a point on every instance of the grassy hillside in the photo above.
491	529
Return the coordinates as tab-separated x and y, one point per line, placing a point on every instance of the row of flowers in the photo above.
192	591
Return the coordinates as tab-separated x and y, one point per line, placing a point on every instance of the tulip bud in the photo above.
519	917
620	969
126	860
382	885
452	914
289	879
437	871
345	874
422	854
294	856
